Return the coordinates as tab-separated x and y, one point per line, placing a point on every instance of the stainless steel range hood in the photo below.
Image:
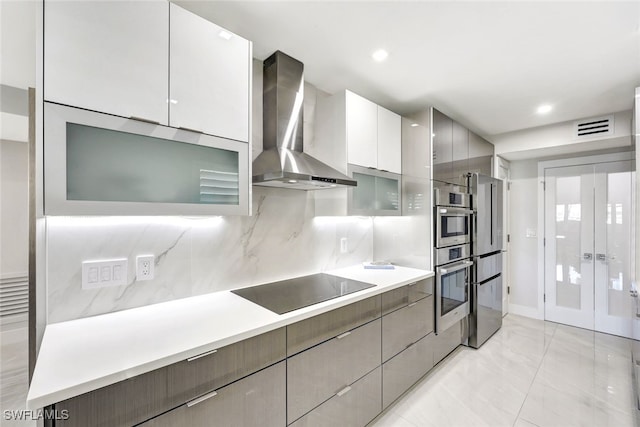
282	163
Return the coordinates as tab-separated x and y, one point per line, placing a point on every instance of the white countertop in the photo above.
82	355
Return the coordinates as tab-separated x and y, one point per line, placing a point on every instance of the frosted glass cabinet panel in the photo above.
106	165
377	193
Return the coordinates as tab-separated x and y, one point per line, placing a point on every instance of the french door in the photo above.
589	226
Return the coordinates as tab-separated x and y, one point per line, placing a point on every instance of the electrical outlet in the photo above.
145	267
344	247
103	273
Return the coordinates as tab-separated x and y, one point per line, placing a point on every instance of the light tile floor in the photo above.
530	373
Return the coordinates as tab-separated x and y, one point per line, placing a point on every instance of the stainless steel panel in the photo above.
312	331
354	408
447	341
404	327
486	314
446	320
447	196
257	400
451	254
188	379
486	199
405	295
486	267
315	375
405	369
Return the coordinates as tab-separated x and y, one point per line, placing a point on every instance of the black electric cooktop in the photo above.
292	294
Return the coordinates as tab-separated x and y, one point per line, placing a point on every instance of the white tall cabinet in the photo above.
149	60
89	65
210	78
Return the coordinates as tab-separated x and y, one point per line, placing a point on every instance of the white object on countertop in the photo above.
83	355
378	265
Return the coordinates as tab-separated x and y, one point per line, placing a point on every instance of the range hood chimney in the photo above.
282	163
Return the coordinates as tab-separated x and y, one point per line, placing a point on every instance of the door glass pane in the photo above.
108	165
454	290
618	250
364	194
568	226
387	196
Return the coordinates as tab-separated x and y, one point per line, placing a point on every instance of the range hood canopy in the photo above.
283	163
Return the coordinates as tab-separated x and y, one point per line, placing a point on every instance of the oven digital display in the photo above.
455	253
455	198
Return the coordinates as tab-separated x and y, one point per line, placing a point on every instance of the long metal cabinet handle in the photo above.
344	391
463	264
142	119
491	211
412	304
346	334
202	399
190	130
191	359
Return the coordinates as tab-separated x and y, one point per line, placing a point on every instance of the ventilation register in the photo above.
590	128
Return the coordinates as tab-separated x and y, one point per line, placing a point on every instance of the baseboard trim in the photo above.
526	311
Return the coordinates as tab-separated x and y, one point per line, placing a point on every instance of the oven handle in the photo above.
455	211
460	266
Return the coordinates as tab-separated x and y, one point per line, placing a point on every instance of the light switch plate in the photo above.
103	273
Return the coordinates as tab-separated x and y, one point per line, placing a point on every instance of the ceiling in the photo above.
487	64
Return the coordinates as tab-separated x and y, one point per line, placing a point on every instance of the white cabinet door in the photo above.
389	141
108	56
362	131
210	77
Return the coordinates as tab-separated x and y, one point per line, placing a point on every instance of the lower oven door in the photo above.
452	298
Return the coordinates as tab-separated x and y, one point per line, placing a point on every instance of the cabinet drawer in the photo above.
447	341
139	398
257	400
406	326
402	371
315	375
191	378
356	407
315	330
406	295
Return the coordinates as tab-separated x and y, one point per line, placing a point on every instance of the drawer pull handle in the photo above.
191	359
190	130
346	334
412	304
142	119
344	391
202	399
411	284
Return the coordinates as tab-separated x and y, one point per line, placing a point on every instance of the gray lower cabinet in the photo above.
312	331
256	400
403	370
400	297
447	341
139	398
315	375
405	326
354	406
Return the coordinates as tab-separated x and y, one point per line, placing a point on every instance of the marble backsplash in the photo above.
195	256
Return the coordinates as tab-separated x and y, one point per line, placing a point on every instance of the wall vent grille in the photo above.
593	128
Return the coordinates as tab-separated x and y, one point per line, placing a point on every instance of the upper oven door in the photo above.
452	226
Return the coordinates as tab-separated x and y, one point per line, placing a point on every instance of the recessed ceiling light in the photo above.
544	109
225	35
380	55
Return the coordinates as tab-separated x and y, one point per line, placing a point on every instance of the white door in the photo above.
588	225
504	173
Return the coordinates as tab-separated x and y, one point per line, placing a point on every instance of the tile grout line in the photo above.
536	375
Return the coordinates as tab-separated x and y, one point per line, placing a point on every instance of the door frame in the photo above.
542	165
506	206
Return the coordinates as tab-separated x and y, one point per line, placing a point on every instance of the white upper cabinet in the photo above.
362	131
210	77
389	141
108	56
373	135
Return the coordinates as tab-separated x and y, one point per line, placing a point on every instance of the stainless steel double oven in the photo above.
452	256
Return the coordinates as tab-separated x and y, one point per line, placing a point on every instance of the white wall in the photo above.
523	219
